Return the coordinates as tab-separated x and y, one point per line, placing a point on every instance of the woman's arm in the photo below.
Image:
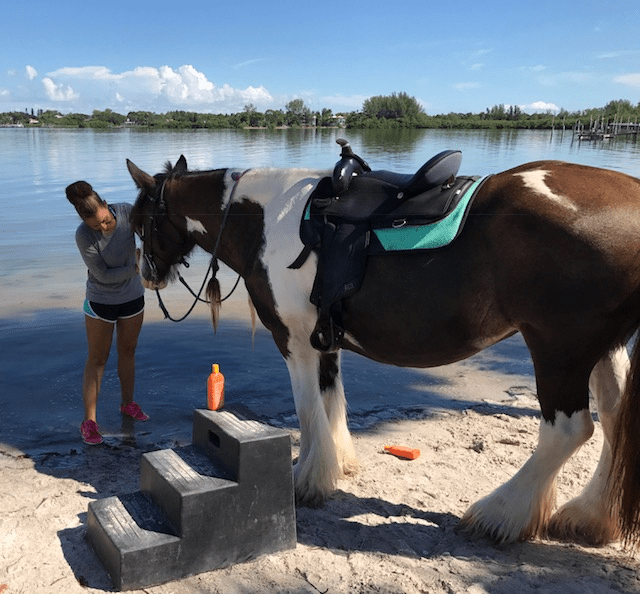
92	258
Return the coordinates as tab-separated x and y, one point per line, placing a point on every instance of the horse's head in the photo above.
165	243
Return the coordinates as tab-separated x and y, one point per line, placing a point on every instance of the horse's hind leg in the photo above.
521	508
588	518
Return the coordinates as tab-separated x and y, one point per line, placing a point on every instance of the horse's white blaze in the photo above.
195	226
535	181
522	506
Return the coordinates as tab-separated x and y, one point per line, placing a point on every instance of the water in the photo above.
38	164
42	276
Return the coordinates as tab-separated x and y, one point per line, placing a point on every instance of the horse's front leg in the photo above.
520	509
326	449
335	405
589	517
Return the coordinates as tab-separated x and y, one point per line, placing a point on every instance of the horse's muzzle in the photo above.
150	278
154	285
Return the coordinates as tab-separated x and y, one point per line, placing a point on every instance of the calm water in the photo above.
42	276
37	223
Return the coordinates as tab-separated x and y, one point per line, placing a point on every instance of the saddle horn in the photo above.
349	165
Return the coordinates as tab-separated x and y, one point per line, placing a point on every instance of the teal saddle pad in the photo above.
402	235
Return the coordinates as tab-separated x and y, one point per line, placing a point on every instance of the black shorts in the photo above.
113	313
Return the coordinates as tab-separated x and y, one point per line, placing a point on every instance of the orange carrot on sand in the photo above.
403	452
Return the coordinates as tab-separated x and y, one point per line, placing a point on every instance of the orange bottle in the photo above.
215	389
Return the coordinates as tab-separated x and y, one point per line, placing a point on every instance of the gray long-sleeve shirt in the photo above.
111	260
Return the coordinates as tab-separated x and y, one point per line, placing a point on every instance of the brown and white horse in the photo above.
550	249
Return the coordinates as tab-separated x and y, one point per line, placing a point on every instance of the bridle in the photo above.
160	205
160	209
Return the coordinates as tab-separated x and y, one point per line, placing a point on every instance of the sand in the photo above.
390	529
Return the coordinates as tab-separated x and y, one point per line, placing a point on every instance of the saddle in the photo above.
357	213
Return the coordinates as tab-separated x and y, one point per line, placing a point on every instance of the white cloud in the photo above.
466	86
247	63
58	92
563	78
84	72
631	80
540	107
616	54
161	88
31	72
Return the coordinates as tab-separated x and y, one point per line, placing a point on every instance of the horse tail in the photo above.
215	300
624	479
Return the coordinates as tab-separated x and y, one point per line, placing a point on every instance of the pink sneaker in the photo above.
90	433
134	411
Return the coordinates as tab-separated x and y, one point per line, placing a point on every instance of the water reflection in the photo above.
39	163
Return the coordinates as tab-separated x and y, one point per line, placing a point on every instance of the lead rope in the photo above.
214	262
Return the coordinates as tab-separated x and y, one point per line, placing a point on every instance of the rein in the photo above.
213	265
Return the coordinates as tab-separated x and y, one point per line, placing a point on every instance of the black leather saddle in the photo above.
435	172
345	208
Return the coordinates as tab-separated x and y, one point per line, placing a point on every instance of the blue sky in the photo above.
218	56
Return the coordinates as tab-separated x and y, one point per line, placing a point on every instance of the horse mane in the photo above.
170	171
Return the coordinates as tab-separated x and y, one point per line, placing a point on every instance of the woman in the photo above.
114	299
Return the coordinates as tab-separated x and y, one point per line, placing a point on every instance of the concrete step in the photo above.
184	488
129	535
225	499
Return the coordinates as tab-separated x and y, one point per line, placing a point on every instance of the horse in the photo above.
550	249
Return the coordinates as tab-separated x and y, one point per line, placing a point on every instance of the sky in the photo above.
218	56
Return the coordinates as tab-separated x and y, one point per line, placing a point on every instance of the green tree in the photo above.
108	117
325	117
297	113
392	107
274	118
144	118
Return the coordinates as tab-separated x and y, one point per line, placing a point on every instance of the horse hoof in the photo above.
350	468
568	525
308	499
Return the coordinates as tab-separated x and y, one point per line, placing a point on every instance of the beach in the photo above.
393	528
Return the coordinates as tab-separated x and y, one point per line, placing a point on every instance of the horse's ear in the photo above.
181	165
143	180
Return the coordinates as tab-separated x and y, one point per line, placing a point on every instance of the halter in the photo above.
213	265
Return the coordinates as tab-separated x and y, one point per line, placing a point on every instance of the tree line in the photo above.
397	110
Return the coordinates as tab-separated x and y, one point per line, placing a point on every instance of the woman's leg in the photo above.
99	337
127	341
